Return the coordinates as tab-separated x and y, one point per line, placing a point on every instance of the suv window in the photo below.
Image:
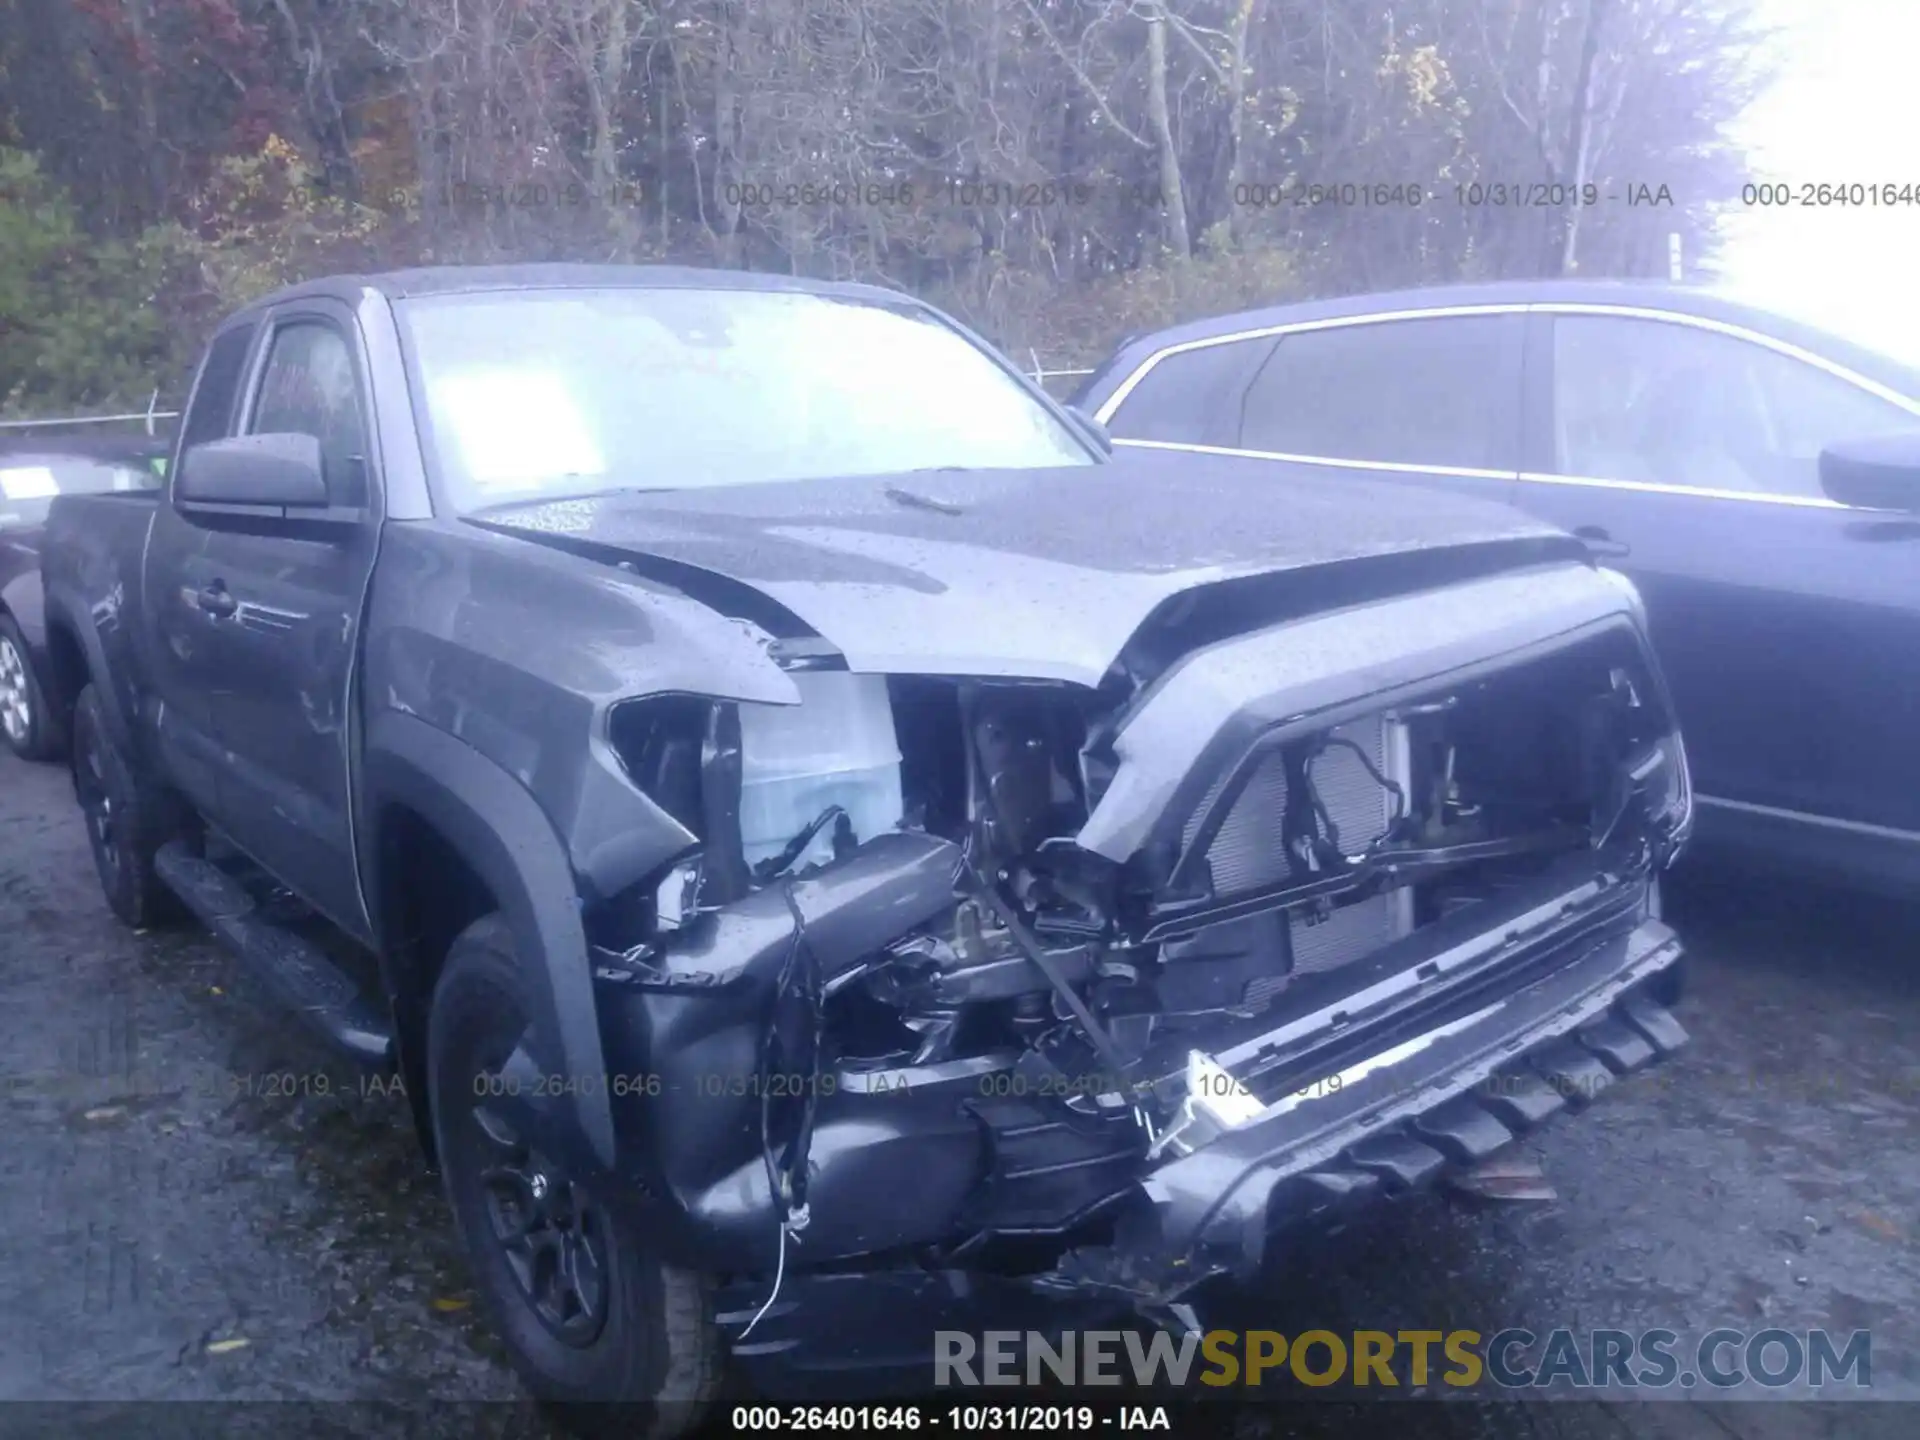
1403	392
1667	403
211	410
309	388
1194	397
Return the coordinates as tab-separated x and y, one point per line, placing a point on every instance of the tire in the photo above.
1670	985
134	821
643	1358
27	724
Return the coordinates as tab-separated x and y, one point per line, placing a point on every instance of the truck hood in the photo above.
1042	574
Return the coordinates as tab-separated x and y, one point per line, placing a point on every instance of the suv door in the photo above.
290	639
1786	623
177	601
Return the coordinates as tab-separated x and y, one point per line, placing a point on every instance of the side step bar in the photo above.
292	969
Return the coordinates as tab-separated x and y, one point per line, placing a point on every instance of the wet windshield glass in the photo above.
568	392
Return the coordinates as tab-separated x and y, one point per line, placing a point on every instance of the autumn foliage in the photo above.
1057	171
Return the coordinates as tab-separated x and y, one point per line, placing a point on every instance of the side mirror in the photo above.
1879	472
1095	427
281	469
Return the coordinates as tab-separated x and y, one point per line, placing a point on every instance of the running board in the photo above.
291	968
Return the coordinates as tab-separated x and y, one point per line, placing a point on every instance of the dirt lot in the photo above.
195	1206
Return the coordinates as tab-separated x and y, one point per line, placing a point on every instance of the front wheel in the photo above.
594	1321
127	820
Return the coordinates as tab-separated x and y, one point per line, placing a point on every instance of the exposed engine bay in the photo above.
961	893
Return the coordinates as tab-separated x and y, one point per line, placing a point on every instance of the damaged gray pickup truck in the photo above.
830	850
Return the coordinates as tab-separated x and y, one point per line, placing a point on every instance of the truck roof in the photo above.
459	279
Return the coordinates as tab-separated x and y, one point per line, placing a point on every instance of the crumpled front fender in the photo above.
1199	719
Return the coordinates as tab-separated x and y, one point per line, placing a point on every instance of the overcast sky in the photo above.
1847	108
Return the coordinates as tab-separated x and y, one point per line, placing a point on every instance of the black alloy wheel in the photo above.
552	1237
126	821
595	1321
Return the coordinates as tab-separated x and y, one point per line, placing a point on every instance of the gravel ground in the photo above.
197	1206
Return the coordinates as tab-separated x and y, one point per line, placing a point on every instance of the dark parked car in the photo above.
32	472
1682	434
827	848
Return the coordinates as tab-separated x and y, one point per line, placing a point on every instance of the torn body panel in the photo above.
460	633
1187	729
1293	849
1093	897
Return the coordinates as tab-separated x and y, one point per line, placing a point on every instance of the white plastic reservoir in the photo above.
837	747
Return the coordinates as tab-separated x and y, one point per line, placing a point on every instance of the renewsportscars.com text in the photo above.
1389	1359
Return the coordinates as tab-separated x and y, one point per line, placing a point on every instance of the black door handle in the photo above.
216	601
1602	545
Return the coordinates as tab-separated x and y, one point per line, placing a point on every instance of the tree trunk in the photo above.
1237	119
1580	150
147	100
602	159
1171	191
726	136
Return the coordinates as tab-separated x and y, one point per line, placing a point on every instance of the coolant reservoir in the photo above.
836	747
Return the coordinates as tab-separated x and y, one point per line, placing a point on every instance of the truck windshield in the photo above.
567	392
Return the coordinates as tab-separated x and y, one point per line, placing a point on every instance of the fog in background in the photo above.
1845	109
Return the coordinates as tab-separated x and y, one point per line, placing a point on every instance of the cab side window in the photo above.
309	388
210	414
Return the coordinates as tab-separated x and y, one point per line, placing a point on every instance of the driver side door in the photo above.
293	591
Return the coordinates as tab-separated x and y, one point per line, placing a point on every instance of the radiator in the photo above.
1246	853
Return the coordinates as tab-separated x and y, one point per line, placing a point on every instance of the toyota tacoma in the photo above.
827	847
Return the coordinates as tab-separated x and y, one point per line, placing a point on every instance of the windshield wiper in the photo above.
599	494
921	502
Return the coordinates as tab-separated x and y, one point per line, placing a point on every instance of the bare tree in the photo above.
599	38
1581	148
1028	162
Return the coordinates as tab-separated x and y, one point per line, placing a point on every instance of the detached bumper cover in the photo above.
1457	1094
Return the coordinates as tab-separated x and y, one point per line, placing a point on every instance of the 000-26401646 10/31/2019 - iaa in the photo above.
969	1418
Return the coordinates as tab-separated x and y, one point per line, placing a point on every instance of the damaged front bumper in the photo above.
1415	1070
1042	1174
1452	1095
